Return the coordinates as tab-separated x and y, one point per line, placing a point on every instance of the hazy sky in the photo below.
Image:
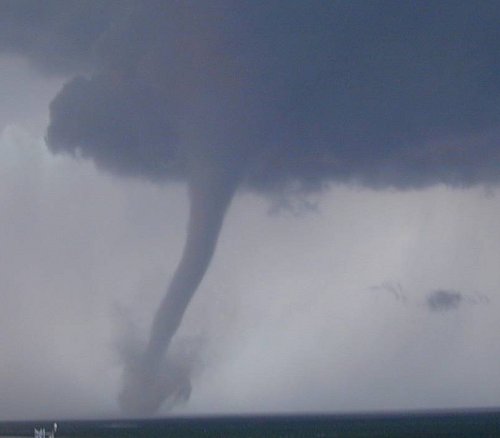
356	297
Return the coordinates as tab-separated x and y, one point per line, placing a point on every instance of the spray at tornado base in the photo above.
260	95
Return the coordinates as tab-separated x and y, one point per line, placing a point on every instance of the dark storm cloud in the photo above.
57	35
442	300
265	94
385	93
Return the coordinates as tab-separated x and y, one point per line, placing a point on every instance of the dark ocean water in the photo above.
440	424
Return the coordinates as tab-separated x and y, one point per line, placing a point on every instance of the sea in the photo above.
477	423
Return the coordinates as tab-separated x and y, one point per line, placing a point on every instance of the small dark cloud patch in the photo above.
443	300
437	300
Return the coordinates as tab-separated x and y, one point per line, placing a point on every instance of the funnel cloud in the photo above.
263	96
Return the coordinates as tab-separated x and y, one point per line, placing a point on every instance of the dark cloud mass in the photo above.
57	35
264	94
394	93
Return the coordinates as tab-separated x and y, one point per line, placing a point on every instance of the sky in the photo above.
356	277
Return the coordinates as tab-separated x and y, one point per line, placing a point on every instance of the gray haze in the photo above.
270	96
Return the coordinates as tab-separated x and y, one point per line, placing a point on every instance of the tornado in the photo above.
149	381
261	96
